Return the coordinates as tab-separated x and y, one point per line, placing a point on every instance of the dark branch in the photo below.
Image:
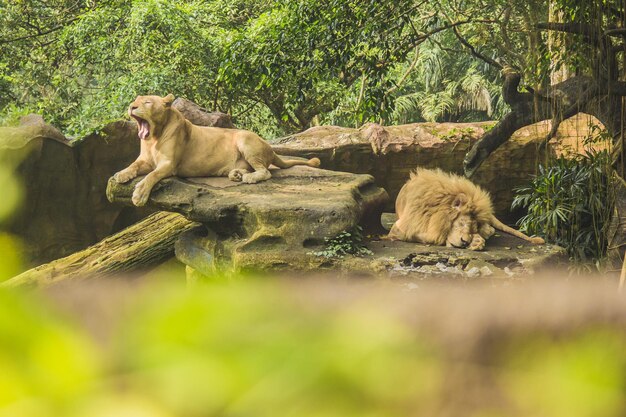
492	140
504	25
589	32
527	109
571	111
615	32
510	92
38	34
474	52
426	35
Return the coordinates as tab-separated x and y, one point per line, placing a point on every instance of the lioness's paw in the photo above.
123	176
249	179
537	241
236	175
141	194
478	243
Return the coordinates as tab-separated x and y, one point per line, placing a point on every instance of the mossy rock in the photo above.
275	224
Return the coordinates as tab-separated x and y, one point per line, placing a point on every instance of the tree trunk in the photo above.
558	45
140	246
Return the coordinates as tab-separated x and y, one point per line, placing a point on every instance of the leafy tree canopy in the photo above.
276	66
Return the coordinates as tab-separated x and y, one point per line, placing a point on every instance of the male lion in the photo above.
171	145
439	208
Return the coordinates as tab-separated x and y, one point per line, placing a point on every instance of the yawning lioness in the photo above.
171	145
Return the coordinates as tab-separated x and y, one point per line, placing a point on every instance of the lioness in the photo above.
439	208
171	145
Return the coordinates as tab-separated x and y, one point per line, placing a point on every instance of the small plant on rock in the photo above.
345	243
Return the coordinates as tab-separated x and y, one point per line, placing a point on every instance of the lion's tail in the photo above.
507	229
281	163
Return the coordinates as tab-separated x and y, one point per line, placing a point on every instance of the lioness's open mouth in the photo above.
144	127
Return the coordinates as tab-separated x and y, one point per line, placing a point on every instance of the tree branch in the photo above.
405	75
584	29
510	92
578	90
574	109
492	140
38	34
615	32
474	52
504	31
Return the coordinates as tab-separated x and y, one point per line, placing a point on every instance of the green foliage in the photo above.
447	86
570	203
239	350
457	134
345	243
251	348
87	60
277	67
11	259
12	114
289	60
551	378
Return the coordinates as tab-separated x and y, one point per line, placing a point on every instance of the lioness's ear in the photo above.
168	100
459	201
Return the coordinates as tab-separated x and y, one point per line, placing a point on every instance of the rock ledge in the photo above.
272	224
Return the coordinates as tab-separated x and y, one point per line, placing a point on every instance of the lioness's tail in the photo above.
281	163
506	229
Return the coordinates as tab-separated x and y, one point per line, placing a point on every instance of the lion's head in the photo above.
464	227
463	222
150	113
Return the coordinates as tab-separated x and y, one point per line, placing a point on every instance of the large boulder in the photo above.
64	207
272	224
390	153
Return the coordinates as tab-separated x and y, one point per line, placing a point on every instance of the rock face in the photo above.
390	153
64	207
504	257
269	225
31	127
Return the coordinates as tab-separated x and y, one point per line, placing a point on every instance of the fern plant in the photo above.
570	203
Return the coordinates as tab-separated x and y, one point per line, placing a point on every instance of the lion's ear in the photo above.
168	100
459	201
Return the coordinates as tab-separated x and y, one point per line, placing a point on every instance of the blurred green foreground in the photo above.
293	348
